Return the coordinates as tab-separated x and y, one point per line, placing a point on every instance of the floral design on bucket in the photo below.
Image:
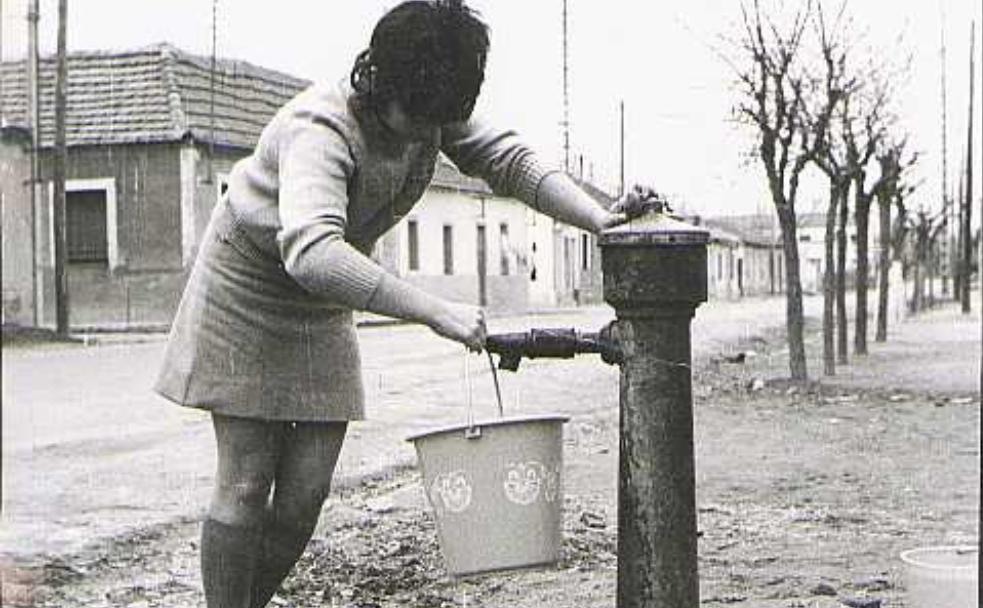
526	481
451	491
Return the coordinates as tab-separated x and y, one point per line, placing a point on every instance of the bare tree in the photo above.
843	220
774	86
831	159
864	129
926	228
867	123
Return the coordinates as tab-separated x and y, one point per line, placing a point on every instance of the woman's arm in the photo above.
315	164
512	169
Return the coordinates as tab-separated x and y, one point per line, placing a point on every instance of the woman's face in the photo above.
406	127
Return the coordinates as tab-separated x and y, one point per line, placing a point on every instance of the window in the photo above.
720	265
532	272
85	226
504	248
448	249
413	247
585	252
805	238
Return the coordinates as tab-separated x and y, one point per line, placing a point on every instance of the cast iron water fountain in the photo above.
655	277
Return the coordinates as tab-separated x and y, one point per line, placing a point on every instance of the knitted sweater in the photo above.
327	179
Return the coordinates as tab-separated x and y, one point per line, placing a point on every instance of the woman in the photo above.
264	337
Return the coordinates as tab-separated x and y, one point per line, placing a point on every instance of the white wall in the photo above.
464	212
812	251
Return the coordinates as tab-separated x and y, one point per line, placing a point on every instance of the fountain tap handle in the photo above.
552	343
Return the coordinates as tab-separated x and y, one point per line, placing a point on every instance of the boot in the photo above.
229	556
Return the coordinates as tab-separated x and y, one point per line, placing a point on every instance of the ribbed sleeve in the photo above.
315	164
497	156
336	270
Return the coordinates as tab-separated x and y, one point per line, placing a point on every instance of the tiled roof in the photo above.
449	177
154	94
606	200
753	229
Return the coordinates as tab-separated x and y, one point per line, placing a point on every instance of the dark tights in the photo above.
272	480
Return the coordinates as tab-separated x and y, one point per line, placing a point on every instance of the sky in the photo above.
661	58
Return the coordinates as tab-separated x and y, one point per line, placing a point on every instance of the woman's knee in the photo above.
241	499
247	458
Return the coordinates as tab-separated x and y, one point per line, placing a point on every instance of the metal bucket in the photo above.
496	491
942	577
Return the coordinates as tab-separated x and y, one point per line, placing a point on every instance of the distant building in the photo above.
745	256
464	243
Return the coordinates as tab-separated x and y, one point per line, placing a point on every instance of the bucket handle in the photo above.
472	431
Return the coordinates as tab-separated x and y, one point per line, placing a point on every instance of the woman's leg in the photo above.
231	537
303	479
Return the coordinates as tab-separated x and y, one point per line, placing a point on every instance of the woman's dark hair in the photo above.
428	55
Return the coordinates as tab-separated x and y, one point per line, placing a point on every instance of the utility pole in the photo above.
33	114
967	253
566	96
210	168
946	199
621	182
61	244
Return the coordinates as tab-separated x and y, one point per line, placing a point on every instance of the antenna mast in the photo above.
566	96
967	252
946	199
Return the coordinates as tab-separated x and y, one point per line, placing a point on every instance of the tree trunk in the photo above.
968	216
843	356
957	247
884	213
794	317
829	282
918	297
862	219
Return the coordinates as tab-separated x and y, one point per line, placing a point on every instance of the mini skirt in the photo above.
247	340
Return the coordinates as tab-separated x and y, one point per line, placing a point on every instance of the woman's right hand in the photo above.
462	323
